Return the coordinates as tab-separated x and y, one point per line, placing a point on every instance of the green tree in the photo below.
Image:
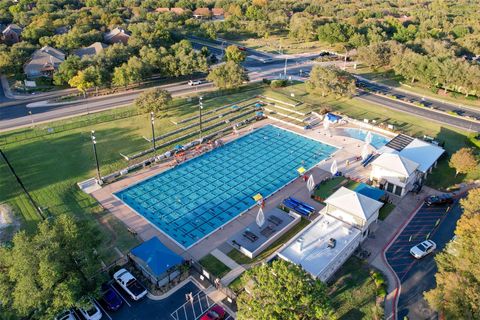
233	53
457	291
46	273
282	290
335	32
155	100
121	76
301	27
331	80
83	81
463	161
228	75
67	70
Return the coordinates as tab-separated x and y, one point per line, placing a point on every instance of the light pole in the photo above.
152	120
31	116
94	142
200	107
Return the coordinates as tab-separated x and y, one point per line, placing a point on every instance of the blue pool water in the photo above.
192	200
378	140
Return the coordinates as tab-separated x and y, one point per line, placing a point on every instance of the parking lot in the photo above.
422	225
174	307
418	276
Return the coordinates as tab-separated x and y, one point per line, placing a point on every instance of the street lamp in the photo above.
31	116
200	107
94	142
152	120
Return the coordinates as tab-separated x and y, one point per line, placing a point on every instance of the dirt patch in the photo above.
9	224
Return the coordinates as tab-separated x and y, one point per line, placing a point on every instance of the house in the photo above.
157	262
43	62
394	173
177	11
161	10
91	50
12	34
404	162
202	13
323	247
117	35
218	13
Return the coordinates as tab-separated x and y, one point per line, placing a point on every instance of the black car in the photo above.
439	200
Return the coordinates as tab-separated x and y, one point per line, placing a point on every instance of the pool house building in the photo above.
323	247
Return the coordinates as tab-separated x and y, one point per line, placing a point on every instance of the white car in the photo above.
91	312
67	315
194	82
128	283
422	249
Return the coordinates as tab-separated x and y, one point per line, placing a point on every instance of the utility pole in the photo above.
94	142
35	205
200	107
152	120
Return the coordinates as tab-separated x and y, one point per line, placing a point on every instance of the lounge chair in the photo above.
250	236
268	231
275	220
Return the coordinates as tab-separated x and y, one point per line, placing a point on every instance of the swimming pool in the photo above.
378	140
194	199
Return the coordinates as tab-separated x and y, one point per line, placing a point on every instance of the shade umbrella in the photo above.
368	138
260	218
326	123
334	167
310	183
365	151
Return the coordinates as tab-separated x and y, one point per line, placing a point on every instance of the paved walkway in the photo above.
236	269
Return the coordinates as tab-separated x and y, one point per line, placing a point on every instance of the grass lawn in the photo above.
240	258
389	78
326	188
353	291
51	165
385	210
214	266
236	285
352	184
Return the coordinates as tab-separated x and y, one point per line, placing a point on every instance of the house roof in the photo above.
13	28
162	10
46	58
423	153
156	256
93	49
202	12
218	11
114	32
354	203
396	163
177	10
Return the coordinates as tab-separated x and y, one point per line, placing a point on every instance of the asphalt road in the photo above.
418	276
429	102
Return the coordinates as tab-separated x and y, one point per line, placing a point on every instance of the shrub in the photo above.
266	81
325	110
278	83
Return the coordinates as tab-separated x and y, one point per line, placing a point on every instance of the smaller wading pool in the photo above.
378	140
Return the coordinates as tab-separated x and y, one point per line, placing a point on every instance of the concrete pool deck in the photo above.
349	148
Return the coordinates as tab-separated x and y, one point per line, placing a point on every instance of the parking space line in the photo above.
104	311
121	296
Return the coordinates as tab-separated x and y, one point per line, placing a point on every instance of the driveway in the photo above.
418	276
174	307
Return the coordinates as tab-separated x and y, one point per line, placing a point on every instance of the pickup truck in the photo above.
128	283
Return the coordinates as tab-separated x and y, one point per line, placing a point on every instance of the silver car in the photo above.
423	248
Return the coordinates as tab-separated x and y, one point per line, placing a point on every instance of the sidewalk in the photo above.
236	269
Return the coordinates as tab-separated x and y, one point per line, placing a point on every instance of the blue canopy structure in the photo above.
156	256
258	105
369	191
333	117
179	147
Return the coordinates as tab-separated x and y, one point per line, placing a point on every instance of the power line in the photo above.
37	208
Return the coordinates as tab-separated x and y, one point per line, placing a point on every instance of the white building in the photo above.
404	162
323	247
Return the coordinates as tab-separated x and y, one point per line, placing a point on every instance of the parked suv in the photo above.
445	198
